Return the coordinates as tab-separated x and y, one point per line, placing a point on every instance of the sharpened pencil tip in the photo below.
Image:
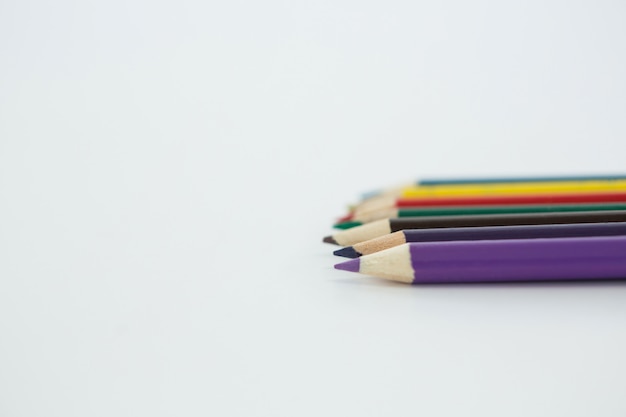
347	225
345	218
352	265
347	252
329	239
370	194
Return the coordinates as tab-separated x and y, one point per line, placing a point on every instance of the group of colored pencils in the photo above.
489	230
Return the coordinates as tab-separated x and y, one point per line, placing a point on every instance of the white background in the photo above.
168	169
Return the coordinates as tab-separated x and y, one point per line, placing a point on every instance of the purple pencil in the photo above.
558	259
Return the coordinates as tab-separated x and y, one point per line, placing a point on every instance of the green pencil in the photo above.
475	210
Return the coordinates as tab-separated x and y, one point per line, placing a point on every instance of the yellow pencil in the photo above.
494	189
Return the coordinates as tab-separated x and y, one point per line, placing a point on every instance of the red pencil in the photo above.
520	199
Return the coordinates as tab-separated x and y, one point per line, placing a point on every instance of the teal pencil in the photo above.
474	210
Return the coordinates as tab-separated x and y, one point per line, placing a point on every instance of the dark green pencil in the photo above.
475	210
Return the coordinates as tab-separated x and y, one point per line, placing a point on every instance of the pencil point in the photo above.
329	239
345	218
347	225
352	265
370	194
347	252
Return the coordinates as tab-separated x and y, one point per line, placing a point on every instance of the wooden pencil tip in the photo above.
352	265
347	225
370	194
347	252
329	239
345	218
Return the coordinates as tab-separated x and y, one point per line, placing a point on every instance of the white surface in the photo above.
136	136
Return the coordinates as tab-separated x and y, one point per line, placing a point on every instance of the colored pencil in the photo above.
496	189
559	259
476	210
522	199
512	180
516	188
482	233
386	226
507	180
